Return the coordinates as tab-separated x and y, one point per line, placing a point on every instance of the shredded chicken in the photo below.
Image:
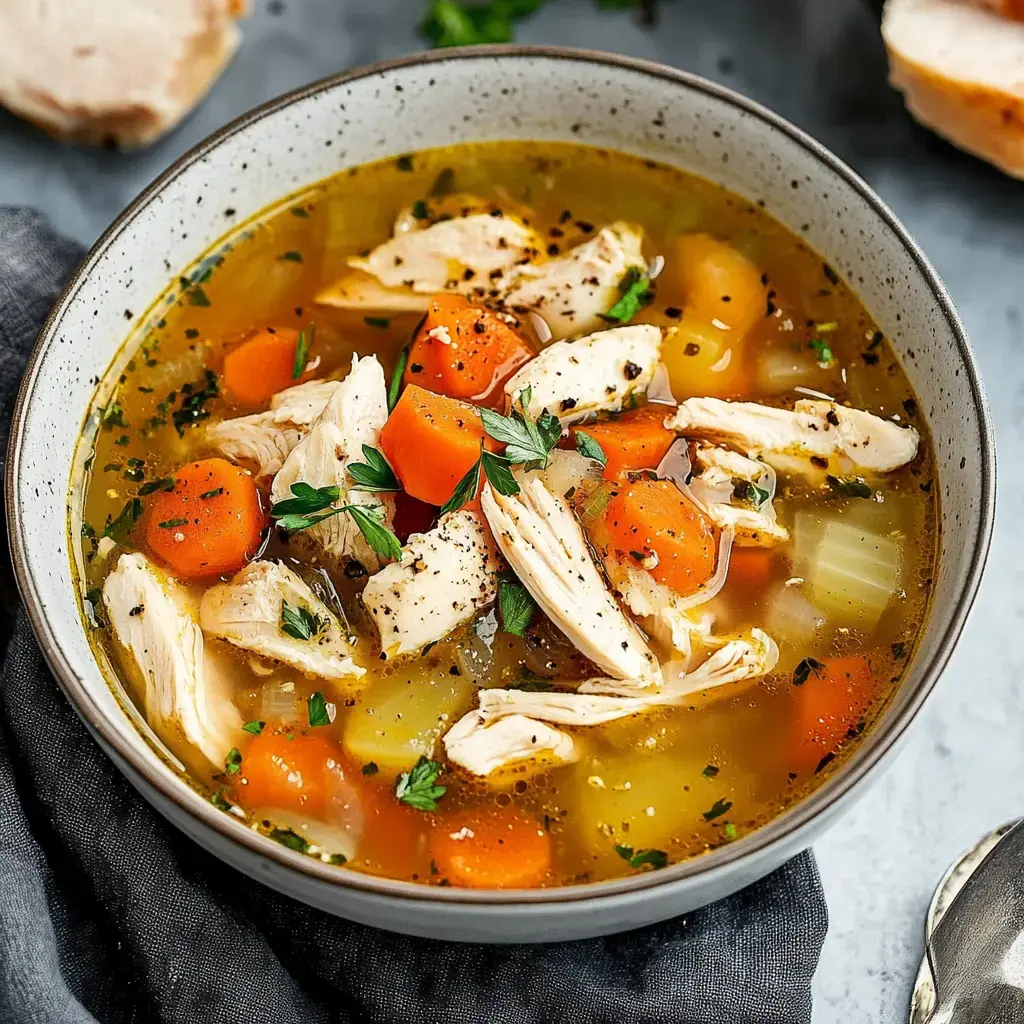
572	291
352	417
444	578
572	379
249	613
268	438
542	541
184	695
850	440
482	746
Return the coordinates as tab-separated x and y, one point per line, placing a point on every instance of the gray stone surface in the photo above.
821	65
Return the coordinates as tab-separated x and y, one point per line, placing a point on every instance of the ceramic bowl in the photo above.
433	100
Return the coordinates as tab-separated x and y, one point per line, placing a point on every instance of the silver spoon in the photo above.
973	972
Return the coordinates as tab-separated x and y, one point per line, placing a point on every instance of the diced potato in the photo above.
795	624
400	718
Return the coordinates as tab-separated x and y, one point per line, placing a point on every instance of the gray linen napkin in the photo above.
107	914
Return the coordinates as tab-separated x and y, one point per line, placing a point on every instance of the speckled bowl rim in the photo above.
876	744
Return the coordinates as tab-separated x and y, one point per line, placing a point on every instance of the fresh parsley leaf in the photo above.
526	441
369	520
164	484
373	475
286	837
193	403
197	296
370	768
291	256
457	23
302	348
499	476
465	490
306	500
113	416
822	352
218	801
337	859
420	210
589	448
418	788
299	622
803	671
718	808
849	487
320	711
254	727
233	762
636	292
121	527
638	858
550	429
730	831
747	490
395	387
515	603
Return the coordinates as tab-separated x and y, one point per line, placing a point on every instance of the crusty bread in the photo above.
961	72
112	72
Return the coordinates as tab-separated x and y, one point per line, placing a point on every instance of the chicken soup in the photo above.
507	515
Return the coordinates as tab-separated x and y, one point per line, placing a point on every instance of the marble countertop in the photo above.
821	65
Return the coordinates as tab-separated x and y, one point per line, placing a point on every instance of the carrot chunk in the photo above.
635	440
289	771
262	365
750	568
210	524
491	848
432	442
652	521
465	351
830	703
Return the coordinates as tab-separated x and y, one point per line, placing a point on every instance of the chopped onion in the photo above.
594	506
781	369
659	391
656	267
540	327
814	394
278	704
792	618
569	473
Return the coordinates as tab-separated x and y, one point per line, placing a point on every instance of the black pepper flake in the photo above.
870	358
910	407
769	308
692	349
415	367
355	570
553	249
480	327
876	339
825	762
567	404
831	276
630	371
832	417
404	163
673	312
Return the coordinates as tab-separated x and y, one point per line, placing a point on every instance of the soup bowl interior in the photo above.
436	100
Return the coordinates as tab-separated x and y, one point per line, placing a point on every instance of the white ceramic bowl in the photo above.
433	100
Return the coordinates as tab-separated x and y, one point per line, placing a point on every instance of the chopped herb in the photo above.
373	475
207	495
170	524
710	771
381	322
123	441
718	808
465	490
320	711
299	211
803	671
527	441
369	519
730	831
444	183
499	476
899	649
291	256
94	598
112	467
876	339
218	801
191	333
337	859
113	416
822	351
255	727
849	487
197	296
302	352
515	603
418	788
395	387
636	292
163	484
638	858
299	622
123	525
233	762
193	403
87	529
531	685
370	768
747	490
420	210
589	448
405	162
305	500
286	837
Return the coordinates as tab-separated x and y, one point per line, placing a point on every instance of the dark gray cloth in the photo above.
109	915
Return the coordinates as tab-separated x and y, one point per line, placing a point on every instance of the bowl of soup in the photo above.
510	493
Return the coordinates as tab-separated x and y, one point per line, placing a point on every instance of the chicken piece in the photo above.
183	695
444	578
850	439
737	493
572	379
249	613
268	438
542	541
572	291
483	747
352	417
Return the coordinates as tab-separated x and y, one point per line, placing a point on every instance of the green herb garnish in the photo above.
233	762
370	768
112	416
638	858
286	837
218	801
849	487
319	710
337	859
515	603
822	352
718	808
170	524
123	525
803	671
395	386
299	622
465	490
193	403
589	448
747	490
207	495
710	771
418	788
380	322
636	292
405	162
730	831
291	256
420	210
456	23
373	475
499	476
254	727
302	352
163	484
529	442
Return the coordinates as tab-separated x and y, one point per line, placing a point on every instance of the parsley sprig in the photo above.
373	475
638	858
418	788
302	348
636	291
515	603
299	622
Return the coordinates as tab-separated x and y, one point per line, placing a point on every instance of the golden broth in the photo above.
679	781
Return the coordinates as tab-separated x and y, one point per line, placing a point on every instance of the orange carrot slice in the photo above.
750	569
635	440
210	524
262	365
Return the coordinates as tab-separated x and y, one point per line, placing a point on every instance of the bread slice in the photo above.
111	72
961	72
